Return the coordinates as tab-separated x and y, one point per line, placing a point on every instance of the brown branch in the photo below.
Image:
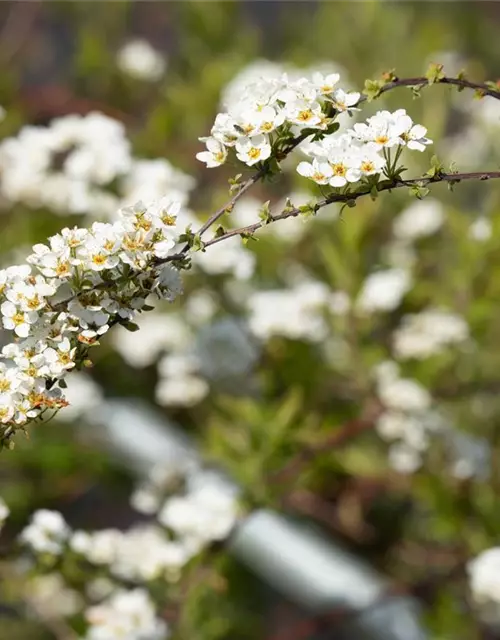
420	81
387	185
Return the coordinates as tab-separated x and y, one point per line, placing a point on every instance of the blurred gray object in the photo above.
308	569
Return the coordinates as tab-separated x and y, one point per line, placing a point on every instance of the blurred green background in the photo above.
59	58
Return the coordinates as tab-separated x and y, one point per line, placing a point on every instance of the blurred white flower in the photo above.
158	332
4	512
141	61
129	615
295	313
428	333
404	459
404	394
484	583
481	229
51	597
185	391
46	533
383	290
422	218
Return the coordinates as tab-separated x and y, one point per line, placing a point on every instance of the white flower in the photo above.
51	597
383	290
215	155
254	149
46	533
481	229
422	218
428	333
140	60
320	172
18	321
182	390
4	512
404	459
404	394
484	582
325	84
384	129
293	313
304	113
125	614
343	101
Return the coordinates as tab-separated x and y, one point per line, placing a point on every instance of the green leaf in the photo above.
434	72
419	191
372	89
265	213
131	326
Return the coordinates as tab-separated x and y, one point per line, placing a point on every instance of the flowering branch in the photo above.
374	89
350	199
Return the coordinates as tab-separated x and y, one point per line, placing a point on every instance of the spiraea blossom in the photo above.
269	111
128	615
484	584
139	60
70	293
428	333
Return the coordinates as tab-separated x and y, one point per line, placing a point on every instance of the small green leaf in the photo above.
434	72
131	326
265	213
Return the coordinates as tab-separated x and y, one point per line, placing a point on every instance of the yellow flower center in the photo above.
254	153
4	414
98	259
62	268
18	318
34	302
169	220
367	166
4	385
382	139
339	169
267	126
305	115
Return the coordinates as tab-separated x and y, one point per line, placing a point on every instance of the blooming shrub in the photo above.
325	321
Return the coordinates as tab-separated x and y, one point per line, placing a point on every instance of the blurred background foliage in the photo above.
59	58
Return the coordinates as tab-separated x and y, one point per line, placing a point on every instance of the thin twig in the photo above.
388	185
423	81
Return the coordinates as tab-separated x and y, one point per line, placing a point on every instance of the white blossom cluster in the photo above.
271	109
128	615
65	166
141	61
193	506
296	313
383	291
70	293
422	335
408	418
361	151
484	584
83	165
